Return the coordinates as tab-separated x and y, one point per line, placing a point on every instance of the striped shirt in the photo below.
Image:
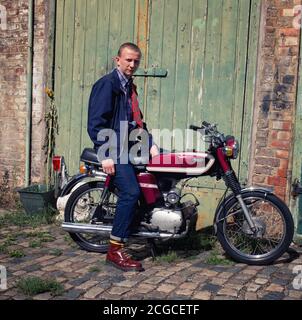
125	82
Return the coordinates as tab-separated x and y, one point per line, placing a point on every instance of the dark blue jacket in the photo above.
107	107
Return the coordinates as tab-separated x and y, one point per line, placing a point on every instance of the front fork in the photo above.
233	183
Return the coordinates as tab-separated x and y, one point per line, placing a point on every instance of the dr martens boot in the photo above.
117	257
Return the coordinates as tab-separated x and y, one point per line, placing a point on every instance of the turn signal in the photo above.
83	168
228	151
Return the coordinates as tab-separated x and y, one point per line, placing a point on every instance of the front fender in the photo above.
226	200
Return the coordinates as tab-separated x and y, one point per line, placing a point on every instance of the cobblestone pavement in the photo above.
85	275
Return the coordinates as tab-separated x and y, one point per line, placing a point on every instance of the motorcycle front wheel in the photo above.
274	234
80	208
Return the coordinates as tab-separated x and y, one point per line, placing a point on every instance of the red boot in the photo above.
120	259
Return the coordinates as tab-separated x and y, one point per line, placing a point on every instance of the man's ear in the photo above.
117	59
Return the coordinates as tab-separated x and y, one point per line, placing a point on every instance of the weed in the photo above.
94	269
3	249
215	258
170	257
35	285
190	246
35	244
20	219
55	252
42	236
16	254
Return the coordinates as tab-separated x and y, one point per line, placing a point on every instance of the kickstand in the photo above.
152	245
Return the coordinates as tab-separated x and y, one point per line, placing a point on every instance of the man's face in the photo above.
128	62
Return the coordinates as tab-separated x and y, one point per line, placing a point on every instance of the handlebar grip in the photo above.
195	128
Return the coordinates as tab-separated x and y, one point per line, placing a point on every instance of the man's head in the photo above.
128	58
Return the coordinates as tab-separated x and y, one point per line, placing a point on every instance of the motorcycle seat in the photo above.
89	156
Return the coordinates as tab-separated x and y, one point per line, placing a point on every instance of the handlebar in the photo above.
211	131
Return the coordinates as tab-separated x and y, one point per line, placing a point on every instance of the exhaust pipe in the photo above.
103	229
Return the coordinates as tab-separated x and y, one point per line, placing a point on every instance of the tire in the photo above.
80	208
274	220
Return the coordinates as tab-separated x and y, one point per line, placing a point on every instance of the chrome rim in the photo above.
270	225
83	209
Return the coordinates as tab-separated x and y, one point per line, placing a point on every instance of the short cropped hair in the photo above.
129	45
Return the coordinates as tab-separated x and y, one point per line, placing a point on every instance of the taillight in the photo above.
57	162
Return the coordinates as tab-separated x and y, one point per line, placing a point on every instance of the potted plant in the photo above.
39	198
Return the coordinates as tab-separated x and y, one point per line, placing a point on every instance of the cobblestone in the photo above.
184	279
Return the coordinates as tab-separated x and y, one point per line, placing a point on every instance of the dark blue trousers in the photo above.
128	194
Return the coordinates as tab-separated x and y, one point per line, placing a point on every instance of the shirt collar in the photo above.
123	79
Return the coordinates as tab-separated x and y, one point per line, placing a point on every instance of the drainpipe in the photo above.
29	88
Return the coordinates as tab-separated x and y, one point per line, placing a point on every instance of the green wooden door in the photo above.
296	201
207	47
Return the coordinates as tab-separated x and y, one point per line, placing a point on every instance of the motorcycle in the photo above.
252	224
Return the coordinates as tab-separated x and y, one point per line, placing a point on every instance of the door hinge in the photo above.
296	188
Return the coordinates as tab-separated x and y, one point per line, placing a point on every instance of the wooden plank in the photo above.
67	68
155	49
58	61
89	65
197	81
75	138
128	21
228	120
102	38
141	37
228	116
199	21
182	64
250	86
115	31
212	54
296	203
168	62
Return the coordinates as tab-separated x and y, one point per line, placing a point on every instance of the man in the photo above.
113	101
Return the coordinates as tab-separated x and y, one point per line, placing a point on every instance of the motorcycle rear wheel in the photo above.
275	229
80	208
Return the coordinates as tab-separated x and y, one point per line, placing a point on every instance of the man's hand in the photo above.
108	166
154	151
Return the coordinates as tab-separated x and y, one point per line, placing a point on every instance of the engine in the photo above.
173	219
168	220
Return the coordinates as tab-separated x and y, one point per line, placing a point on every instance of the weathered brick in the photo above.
13	64
282	145
268	161
277	181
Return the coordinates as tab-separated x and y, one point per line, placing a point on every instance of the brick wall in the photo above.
13	64
276	95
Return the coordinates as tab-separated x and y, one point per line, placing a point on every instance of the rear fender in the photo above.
80	178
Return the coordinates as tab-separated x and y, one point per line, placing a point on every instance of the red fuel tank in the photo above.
190	163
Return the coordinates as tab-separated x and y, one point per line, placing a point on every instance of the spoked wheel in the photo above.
80	208
274	229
